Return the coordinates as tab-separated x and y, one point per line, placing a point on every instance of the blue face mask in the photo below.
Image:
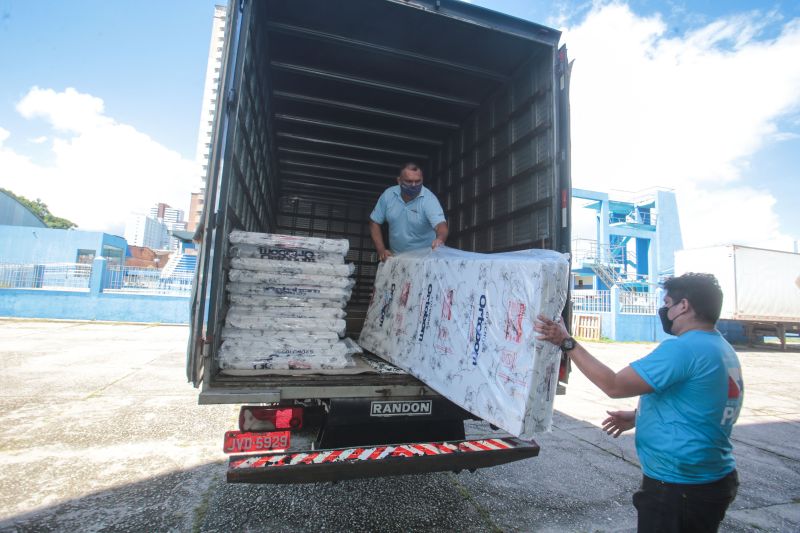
411	190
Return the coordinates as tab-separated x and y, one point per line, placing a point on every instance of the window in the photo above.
85	257
112	254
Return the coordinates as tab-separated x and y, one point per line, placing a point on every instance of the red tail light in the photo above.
563	369
270	418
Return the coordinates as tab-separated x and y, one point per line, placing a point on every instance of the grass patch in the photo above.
202	509
484	514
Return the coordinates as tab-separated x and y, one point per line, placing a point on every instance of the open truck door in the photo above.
203	310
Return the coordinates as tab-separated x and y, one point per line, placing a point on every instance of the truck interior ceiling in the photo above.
327	111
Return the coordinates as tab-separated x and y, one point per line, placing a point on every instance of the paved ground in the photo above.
100	432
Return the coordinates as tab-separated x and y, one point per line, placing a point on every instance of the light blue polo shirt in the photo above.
411	225
683	427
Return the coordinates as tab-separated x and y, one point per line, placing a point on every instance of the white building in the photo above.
172	219
141	230
209	109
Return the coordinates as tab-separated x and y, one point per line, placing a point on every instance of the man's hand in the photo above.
384	254
619	421
552	331
436	243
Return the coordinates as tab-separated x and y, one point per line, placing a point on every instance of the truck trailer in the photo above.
761	288
320	103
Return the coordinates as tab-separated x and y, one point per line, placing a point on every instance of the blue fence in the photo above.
623	315
81	292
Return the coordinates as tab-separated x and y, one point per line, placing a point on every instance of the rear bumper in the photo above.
384	460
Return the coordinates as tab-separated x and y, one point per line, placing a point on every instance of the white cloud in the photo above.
68	111
4	134
39	140
101	169
686	112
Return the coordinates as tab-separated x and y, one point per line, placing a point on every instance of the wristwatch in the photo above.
567	344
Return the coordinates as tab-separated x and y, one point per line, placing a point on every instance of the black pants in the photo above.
676	507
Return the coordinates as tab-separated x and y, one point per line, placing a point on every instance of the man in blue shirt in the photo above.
415	217
691	392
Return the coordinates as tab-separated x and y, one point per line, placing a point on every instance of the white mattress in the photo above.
462	323
287	248
286	300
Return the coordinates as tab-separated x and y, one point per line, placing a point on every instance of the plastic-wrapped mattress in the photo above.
286	300
462	323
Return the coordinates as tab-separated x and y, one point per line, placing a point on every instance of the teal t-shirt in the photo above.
411	225
683	427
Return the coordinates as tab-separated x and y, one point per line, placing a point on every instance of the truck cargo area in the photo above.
323	102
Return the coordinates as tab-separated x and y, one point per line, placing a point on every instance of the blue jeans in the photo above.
676	507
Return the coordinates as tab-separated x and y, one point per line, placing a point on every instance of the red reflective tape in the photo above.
260	462
309	458
443	447
402	451
345	454
377	453
503	444
321	457
356	453
366	454
332	457
432	447
425	450
473	446
468	447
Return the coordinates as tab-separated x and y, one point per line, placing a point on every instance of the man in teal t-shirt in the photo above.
415	216
691	392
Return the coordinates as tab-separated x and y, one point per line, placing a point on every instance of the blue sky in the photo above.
699	96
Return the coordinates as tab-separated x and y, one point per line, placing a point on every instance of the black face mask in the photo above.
666	323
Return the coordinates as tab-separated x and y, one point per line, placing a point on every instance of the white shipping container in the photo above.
757	284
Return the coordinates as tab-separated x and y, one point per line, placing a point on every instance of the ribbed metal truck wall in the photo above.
323	101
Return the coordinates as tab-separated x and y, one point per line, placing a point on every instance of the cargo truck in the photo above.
320	104
761	288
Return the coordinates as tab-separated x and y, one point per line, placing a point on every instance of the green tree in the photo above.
40	209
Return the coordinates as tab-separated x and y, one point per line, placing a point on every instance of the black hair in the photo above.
701	290
410	165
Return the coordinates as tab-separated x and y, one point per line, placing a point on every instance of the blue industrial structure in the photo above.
635	242
616	275
26	244
13	213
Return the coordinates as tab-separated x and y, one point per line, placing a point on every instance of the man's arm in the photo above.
442	231
623	384
377	240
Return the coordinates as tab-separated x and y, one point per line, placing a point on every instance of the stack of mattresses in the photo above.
286	304
462	323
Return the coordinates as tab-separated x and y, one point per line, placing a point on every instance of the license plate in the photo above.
243	442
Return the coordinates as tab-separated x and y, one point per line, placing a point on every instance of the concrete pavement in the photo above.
100	432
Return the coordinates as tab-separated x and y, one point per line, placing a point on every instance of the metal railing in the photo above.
122	279
60	276
631	303
591	301
638	303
